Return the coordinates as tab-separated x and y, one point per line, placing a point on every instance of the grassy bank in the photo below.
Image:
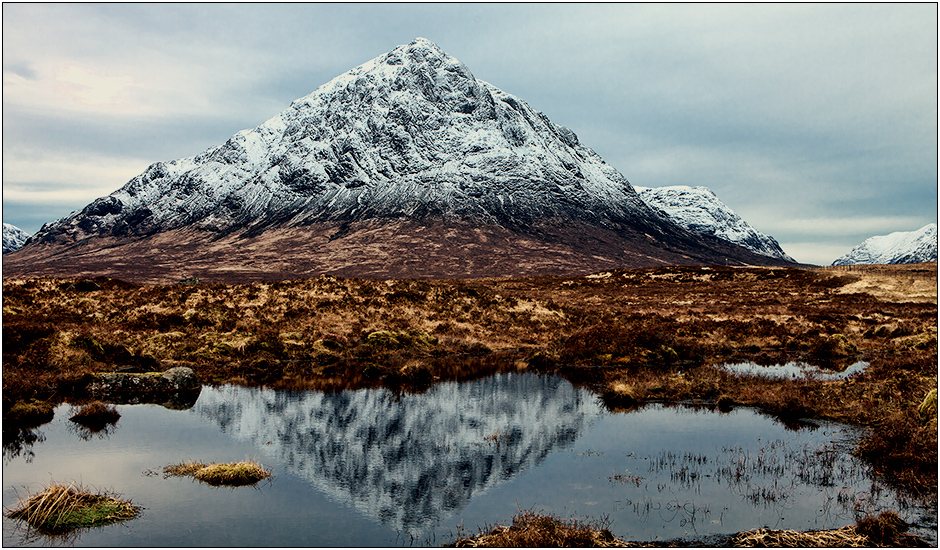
633	336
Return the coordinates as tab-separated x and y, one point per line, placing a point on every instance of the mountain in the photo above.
405	166
13	238
901	247
699	210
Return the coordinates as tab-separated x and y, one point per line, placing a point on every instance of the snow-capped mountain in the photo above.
901	247
407	165
13	237
410	133
698	209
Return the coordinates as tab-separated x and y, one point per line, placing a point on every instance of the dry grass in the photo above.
846	537
29	413
653	332
96	415
59	509
533	530
232	474
886	530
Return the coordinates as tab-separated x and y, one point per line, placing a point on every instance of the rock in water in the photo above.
406	166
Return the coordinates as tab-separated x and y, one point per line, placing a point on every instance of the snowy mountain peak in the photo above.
698	209
13	238
404	157
410	133
901	247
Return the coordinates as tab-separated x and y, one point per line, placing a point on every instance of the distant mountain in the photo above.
406	166
699	210
13	238
901	247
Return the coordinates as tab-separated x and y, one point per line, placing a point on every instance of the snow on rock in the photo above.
699	210
13	238
901	247
411	133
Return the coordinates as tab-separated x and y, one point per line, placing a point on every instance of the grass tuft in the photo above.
59	509
232	474
96	415
30	414
530	530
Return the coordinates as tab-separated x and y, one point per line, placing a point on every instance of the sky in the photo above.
816	123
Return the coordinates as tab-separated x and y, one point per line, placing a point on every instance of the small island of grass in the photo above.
60	509
233	474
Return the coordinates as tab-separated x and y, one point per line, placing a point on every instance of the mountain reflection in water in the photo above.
408	460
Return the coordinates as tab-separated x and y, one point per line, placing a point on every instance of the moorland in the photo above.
633	336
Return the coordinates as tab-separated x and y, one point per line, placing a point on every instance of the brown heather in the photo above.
631	335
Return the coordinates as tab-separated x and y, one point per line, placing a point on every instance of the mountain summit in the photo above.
900	247
407	165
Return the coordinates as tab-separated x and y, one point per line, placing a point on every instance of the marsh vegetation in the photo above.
230	474
632	337
60	510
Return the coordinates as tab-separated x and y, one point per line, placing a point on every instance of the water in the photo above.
376	468
794	370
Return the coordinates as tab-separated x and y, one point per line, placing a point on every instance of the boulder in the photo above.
178	384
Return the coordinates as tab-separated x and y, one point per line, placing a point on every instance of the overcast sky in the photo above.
816	123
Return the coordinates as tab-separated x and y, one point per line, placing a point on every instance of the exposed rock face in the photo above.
409	141
902	247
699	210
13	238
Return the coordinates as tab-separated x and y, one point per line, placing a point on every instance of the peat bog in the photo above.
632	336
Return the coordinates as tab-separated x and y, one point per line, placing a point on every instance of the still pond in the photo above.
380	468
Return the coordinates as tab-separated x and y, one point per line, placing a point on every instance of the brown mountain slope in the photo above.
371	249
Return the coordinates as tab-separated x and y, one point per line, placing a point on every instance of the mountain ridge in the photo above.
900	247
699	210
409	137
13	237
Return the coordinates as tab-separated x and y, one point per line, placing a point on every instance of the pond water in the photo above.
794	370
377	468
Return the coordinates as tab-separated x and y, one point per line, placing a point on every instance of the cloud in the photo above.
51	177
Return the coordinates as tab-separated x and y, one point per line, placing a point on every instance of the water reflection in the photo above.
793	370
408	460
18	441
467	454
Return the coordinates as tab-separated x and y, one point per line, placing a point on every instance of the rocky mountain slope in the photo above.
901	247
406	166
699	210
13	238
